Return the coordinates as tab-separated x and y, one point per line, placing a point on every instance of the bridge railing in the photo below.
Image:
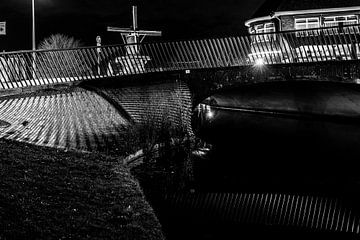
310	45
42	67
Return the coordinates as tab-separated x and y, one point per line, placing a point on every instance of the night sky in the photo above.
85	19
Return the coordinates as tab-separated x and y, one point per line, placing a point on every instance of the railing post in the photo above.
33	65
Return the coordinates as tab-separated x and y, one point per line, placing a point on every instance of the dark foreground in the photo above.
52	194
244	193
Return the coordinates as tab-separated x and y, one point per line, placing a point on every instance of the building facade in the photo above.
312	30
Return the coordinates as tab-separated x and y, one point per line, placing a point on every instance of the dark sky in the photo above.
85	19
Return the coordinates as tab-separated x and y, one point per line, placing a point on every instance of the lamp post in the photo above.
33	24
33	37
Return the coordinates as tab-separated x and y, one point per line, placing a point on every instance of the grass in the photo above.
167	167
56	194
52	194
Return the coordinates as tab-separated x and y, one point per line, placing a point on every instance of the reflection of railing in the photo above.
28	68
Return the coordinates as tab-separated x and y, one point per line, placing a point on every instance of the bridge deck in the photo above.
32	68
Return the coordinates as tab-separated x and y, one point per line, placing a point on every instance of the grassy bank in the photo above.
52	194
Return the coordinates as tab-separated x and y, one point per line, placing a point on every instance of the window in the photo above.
341	21
307	23
338	20
263	29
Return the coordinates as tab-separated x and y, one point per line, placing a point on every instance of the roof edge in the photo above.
265	18
297	12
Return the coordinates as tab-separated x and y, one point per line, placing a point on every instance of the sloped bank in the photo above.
73	119
53	194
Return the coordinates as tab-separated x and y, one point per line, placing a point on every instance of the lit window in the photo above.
263	29
269	27
307	23
335	21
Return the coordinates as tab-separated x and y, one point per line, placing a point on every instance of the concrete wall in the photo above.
287	23
167	101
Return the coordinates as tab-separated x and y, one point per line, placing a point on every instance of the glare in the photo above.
206	110
259	62
209	114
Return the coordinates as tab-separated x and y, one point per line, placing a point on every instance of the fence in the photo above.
42	67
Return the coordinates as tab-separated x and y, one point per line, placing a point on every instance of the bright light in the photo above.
209	114
259	62
206	110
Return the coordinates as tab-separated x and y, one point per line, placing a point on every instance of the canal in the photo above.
262	174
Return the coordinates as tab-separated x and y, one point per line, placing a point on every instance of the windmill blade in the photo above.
120	30
149	33
135	19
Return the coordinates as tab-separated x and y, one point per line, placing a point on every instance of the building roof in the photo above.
271	6
275	8
294	5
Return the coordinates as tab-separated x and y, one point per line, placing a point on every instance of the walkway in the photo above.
288	49
73	119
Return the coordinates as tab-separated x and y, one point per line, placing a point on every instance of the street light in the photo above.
33	24
259	62
33	37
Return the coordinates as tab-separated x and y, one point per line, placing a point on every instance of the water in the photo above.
265	176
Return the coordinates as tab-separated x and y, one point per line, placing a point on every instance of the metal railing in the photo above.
42	67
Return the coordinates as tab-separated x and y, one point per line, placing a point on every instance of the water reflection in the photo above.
283	137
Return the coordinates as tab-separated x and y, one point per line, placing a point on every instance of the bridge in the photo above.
189	71
324	53
93	115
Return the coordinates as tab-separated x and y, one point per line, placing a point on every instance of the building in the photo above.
313	29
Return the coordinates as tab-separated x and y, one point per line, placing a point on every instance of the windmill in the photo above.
133	35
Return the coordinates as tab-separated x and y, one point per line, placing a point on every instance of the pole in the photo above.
33	24
33	36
